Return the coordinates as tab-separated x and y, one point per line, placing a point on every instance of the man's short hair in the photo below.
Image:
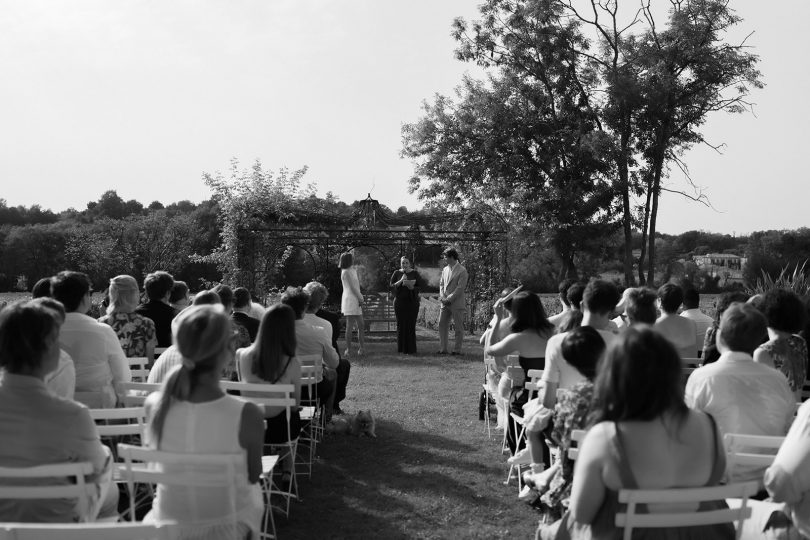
241	298
450	253
206	298
70	288
158	285
179	291
784	310
25	330
691	298
640	306
600	296
743	328
297	298
671	297
225	294
562	289
574	295
317	294
42	288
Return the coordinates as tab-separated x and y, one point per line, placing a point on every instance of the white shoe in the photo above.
528	495
521	458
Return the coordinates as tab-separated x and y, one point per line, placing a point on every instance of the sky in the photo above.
143	97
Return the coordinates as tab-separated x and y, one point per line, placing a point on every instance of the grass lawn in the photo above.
430	473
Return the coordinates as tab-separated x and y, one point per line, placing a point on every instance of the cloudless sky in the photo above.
144	96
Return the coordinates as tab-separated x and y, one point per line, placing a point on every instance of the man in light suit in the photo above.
451	295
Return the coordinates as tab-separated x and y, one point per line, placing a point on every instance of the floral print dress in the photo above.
790	357
134	332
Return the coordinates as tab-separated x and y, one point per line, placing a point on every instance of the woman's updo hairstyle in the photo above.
201	334
124	294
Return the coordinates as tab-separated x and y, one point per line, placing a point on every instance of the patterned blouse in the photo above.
134	332
790	357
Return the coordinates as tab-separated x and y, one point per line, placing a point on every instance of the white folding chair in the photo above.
665	517
519	424
139	367
214	471
751	451
273	395
163	530
489	367
311	407
134	394
577	436
67	481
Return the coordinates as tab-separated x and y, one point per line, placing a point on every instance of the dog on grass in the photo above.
358	424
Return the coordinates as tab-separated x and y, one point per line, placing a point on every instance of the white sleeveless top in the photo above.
349	303
206	428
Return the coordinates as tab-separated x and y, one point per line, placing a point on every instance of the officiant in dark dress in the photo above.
405	283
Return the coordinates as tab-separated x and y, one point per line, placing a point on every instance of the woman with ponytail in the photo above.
271	359
191	414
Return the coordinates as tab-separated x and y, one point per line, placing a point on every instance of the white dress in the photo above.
349	303
205	513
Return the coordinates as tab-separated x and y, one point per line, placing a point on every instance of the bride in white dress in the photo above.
351	303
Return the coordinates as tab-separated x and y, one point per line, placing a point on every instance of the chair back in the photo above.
139	367
162	530
56	481
134	394
690	362
263	394
750	451
159	351
577	436
657	519
311	366
120	422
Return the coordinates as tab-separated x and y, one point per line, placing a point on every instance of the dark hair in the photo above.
743	328
562	289
574	295
691	298
201	334
671	297
276	338
639	379
54	305
640	306
158	284
784	310
41	288
297	298
600	296
725	299
225	294
528	313
582	348
346	260
28	330
572	319
70	288
179	291
241	298
450	253
203	298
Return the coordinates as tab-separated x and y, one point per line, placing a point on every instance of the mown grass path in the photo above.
431	473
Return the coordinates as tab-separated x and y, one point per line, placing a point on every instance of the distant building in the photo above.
727	266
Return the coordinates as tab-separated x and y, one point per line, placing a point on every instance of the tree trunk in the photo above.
658	167
641	279
627	211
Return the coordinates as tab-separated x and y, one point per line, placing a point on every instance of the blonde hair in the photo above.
201	334
124	295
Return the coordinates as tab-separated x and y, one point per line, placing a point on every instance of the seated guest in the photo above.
96	352
62	380
271	359
721	303
621	308
788	478
645	438
573	318
256	309
171	357
598	301
313	340
742	395
680	331
226	297
178	298
640	307
498	382
562	291
330	322
191	414
784	350
691	311
241	312
39	428
135	332
158	287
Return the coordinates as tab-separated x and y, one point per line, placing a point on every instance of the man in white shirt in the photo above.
598	301
96	352
742	395
678	330
691	310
